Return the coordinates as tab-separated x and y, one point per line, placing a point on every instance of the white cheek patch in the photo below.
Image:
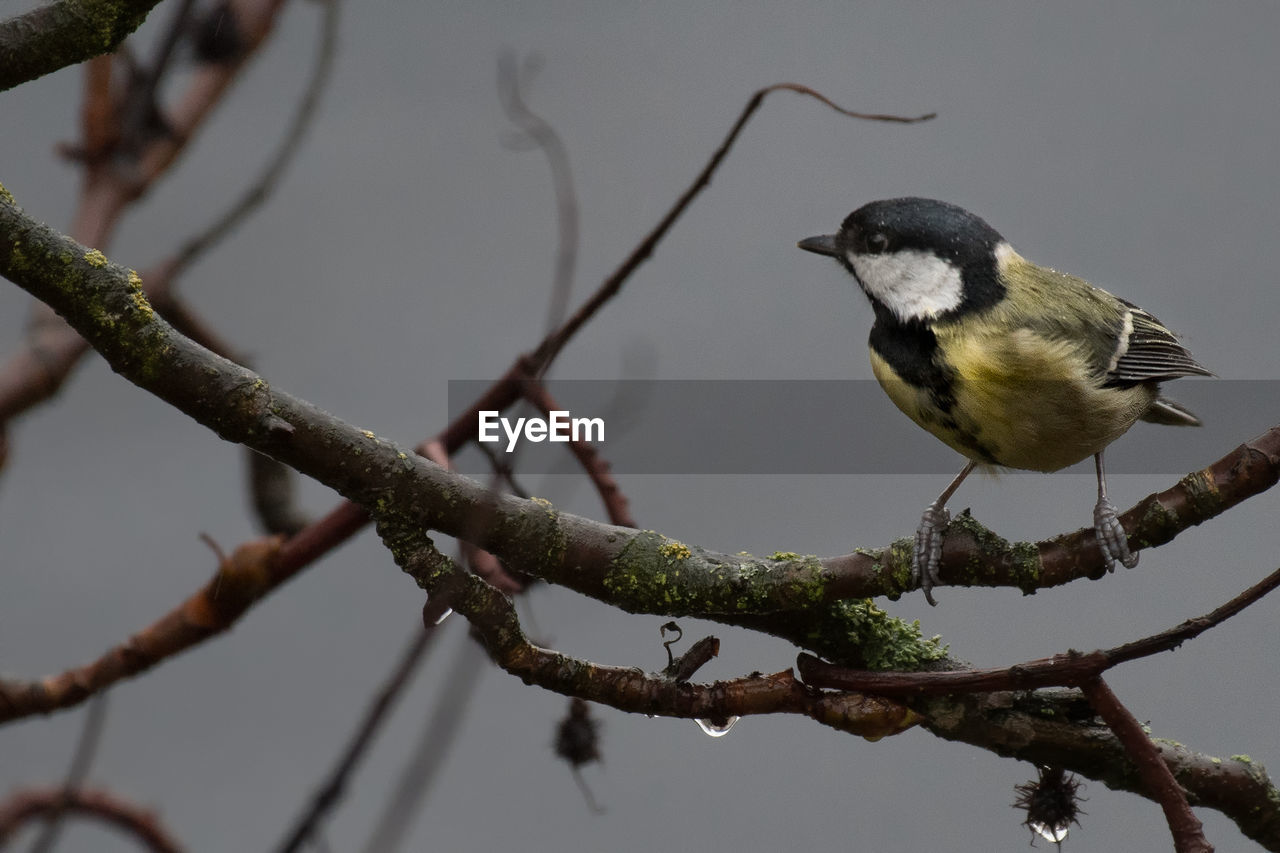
913	285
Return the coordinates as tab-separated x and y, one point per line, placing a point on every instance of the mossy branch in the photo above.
64	33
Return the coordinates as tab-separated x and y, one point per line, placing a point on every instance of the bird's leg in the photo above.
1106	525
927	554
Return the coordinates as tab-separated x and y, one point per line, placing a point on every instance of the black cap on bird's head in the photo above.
919	258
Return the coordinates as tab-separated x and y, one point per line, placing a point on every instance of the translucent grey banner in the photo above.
812	427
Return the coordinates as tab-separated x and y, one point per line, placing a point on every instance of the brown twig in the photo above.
684	667
1072	669
268	180
238	583
1188	833
551	346
596	467
480	561
105	806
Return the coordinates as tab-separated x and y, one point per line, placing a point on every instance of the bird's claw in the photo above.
927	554
1111	536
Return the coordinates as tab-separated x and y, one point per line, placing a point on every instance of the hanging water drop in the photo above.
448	611
718	727
1050	833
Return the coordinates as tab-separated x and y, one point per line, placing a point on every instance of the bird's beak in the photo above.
822	245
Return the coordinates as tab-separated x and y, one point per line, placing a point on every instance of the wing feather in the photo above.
1149	352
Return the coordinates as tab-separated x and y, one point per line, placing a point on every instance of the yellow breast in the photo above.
1017	399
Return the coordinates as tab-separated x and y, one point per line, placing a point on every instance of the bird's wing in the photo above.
1148	352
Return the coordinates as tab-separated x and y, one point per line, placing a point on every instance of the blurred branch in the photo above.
334	787
552	146
81	761
30	804
428	754
118	169
64	33
597	468
269	179
238	583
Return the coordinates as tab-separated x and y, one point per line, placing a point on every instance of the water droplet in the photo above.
717	728
448	611
1055	834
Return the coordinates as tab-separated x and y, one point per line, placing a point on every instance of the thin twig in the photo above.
104	806
330	792
553	148
1188	832
428	754
1071	669
551	346
140	118
81	761
269	179
596	467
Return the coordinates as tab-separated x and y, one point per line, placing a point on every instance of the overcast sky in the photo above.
408	246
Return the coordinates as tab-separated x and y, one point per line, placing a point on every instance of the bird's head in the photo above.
919	258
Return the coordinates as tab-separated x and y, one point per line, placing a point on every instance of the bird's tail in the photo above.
1170	413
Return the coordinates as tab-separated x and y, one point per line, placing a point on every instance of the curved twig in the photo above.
102	805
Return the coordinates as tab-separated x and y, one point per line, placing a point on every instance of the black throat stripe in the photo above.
911	349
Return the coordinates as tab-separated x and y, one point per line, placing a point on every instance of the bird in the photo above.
1011	364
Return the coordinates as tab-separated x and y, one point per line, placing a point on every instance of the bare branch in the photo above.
551	346
426	757
330	792
81	761
104	806
597	468
552	146
269	179
238	582
1188	833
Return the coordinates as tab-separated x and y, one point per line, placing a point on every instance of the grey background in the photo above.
1132	144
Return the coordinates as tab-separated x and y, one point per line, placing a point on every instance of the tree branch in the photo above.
1188	834
105	806
64	33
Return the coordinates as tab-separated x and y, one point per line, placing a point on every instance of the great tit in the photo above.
1009	363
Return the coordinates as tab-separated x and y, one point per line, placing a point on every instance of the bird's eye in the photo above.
877	243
